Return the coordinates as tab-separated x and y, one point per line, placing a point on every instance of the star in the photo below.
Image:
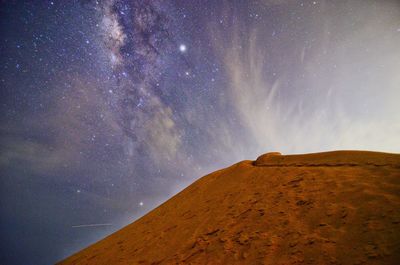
140	204
182	48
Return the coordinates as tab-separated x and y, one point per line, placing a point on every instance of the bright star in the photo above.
140	203
182	48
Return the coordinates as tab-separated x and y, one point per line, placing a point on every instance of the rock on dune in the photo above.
339	207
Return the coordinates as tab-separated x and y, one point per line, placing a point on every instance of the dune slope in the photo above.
339	207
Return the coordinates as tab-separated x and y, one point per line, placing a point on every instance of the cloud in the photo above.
277	2
62	137
39	158
338	93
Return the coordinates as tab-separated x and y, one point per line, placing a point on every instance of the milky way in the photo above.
110	107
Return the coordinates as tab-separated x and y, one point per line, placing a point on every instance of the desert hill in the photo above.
339	207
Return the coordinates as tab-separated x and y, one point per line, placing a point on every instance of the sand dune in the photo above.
339	207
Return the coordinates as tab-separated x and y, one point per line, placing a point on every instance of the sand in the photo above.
338	207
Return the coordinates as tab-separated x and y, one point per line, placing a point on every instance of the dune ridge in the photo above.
333	158
339	207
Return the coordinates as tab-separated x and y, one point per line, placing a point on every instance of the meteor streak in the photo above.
90	225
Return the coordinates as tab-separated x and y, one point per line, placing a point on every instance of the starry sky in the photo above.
110	107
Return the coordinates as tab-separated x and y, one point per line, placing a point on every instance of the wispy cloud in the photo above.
334	97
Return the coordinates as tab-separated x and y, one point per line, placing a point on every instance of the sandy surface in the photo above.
329	208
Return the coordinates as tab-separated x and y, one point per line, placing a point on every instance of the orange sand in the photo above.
338	207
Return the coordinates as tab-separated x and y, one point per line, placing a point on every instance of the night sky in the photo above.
108	108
